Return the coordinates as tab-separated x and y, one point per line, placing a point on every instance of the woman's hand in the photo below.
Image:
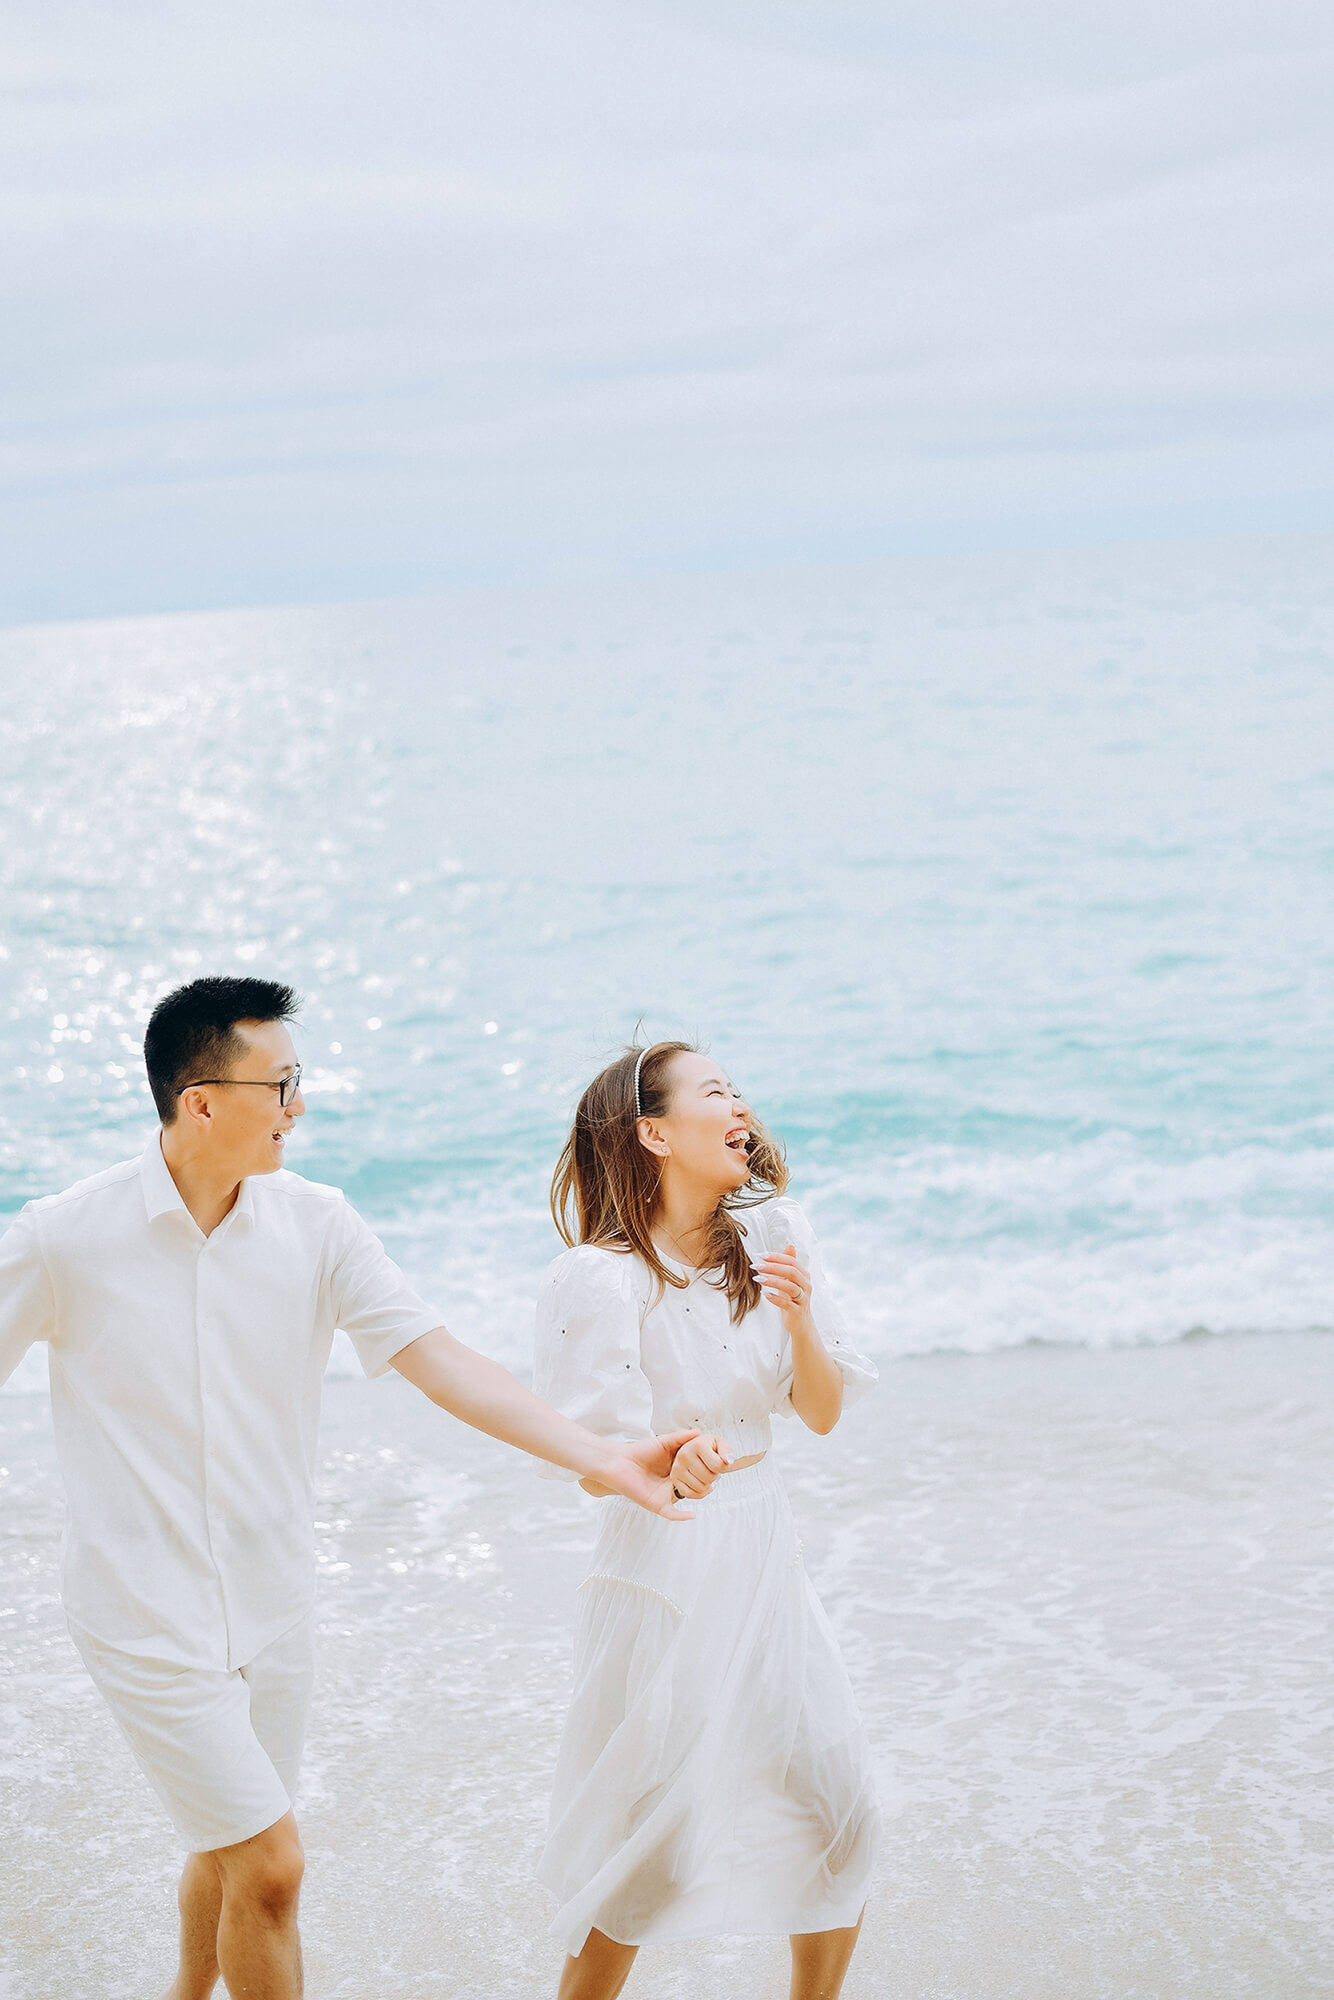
817	1379
697	1465
786	1283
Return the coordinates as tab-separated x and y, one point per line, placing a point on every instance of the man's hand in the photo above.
643	1472
479	1391
697	1464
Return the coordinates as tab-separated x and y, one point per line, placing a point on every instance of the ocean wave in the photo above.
1184	1256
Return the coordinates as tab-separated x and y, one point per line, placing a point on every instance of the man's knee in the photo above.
265	1873
274	1889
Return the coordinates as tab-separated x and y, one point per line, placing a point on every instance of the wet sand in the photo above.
1087	1600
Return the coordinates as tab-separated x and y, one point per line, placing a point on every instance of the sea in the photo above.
1003	886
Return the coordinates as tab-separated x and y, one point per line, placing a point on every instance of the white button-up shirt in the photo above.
185	1392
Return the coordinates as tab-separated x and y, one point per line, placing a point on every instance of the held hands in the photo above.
696	1466
645	1472
786	1283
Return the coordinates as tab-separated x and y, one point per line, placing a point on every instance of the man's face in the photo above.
248	1126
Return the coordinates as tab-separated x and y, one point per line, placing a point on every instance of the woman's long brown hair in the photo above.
605	1187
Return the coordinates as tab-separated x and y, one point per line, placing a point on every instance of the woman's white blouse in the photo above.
631	1365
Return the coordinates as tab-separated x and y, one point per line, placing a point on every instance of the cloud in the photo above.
336	299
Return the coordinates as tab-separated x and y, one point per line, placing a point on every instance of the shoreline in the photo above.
1084	1595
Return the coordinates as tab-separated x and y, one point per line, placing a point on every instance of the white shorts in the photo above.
220	1748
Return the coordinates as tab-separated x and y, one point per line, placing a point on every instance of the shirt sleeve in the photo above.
586	1361
372	1301
27	1302
788	1224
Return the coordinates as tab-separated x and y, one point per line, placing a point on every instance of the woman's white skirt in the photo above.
714	1776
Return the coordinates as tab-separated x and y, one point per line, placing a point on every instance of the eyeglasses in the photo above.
287	1086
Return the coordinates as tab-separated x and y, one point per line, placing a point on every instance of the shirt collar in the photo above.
161	1193
163	1197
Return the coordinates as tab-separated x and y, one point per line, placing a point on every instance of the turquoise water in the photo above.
1003	886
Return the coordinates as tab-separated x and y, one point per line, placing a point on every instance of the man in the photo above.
189	1299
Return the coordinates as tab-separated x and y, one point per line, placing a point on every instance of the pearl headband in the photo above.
639	1108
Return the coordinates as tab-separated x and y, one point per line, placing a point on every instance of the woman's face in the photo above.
702	1135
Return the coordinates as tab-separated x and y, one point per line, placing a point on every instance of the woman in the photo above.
713	1776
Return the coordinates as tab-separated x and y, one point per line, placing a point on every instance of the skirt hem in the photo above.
690	1933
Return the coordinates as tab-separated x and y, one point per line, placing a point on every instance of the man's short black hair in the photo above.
192	1034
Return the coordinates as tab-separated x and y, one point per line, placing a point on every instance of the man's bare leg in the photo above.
599	1972
820	1961
200	1899
238	1918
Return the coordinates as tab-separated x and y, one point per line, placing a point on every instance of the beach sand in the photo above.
1086	1597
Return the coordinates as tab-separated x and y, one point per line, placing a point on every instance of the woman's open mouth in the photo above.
738	1141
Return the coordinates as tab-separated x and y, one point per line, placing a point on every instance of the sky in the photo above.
337	300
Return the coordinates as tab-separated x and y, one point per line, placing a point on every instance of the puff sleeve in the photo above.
586	1361
786	1223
